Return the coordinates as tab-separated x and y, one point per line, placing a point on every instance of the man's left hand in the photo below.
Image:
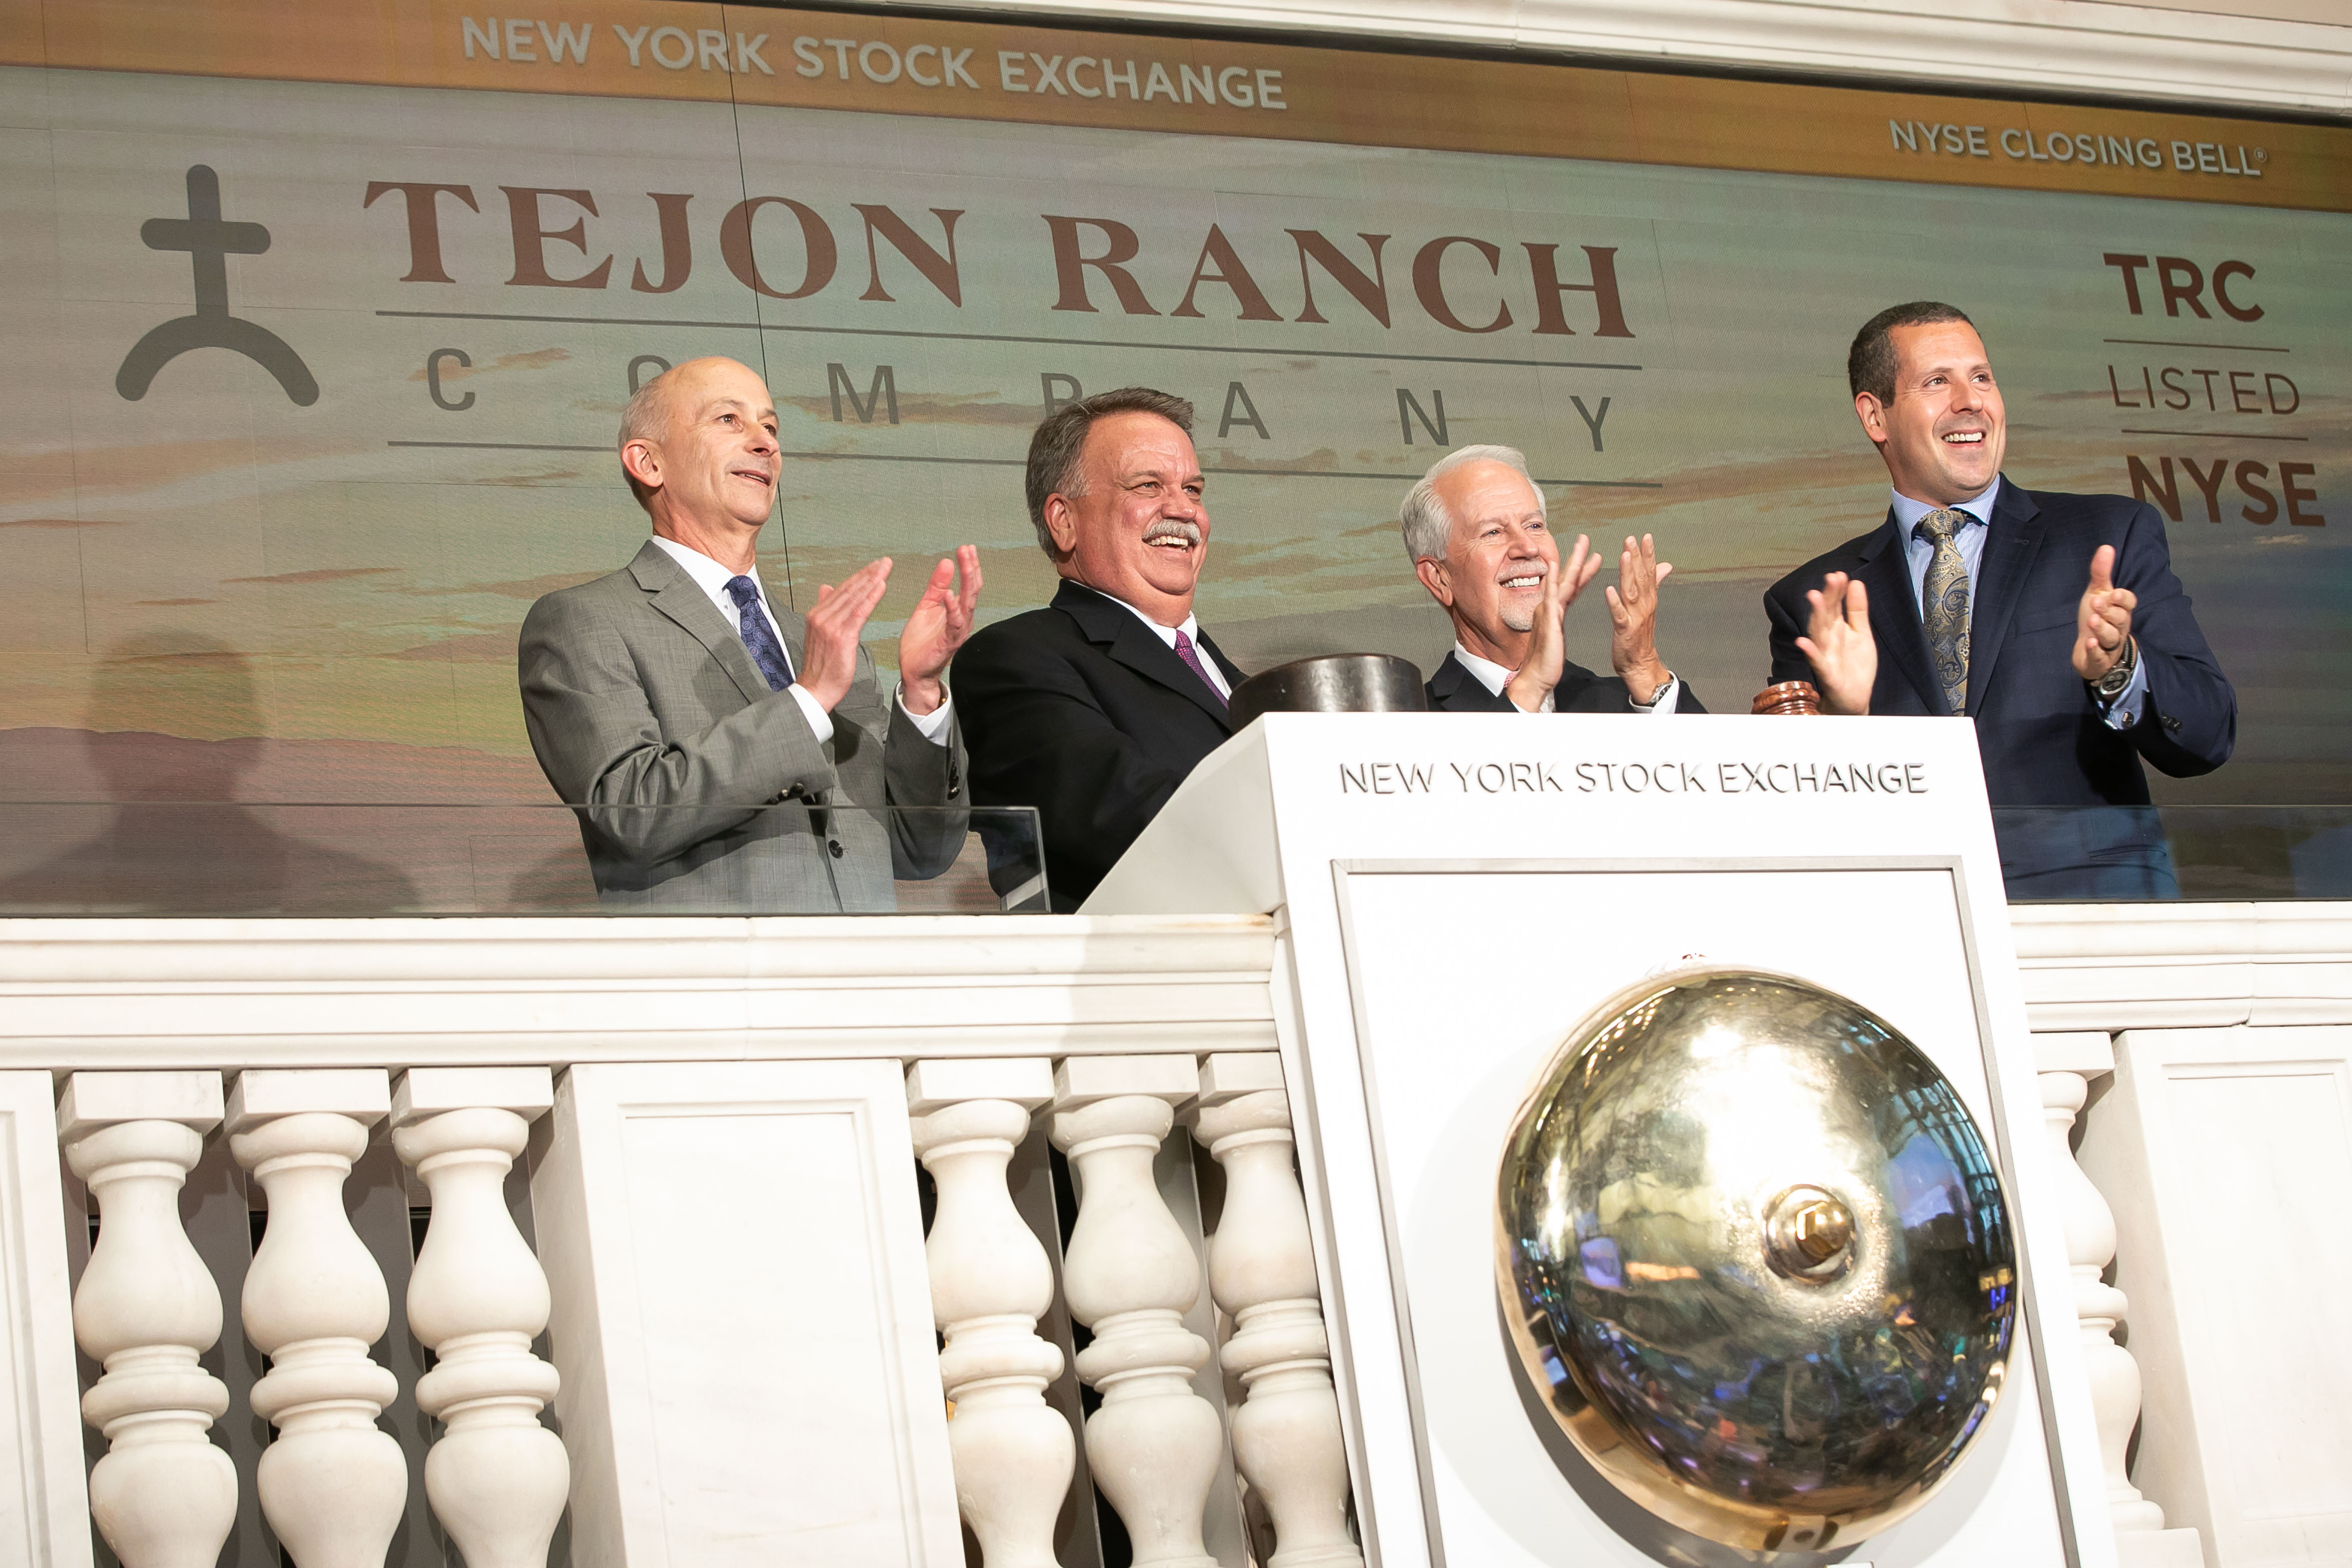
2103	621
937	626
1634	618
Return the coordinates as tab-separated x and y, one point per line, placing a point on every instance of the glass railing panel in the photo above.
2134	854
222	858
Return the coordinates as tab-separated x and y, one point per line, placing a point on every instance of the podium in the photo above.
1451	893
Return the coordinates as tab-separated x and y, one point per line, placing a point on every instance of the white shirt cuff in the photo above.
933	724
819	720
1664	702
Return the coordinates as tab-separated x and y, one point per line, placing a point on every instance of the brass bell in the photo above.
1754	1259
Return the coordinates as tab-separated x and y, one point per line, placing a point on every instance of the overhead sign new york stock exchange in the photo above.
323	322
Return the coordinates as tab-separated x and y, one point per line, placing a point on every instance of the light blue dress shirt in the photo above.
1920	554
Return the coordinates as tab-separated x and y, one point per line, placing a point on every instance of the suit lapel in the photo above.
1460	692
1225	667
2012	545
1894	612
794	629
1116	630
674	593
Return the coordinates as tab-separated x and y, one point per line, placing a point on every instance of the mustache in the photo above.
1166	527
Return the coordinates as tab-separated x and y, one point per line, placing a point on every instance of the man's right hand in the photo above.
1843	653
830	661
1548	644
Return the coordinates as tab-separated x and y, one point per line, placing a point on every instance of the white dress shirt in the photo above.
1920	554
1167	635
1494	678
712	579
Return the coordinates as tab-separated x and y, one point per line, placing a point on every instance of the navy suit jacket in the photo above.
1079	710
1453	690
2040	731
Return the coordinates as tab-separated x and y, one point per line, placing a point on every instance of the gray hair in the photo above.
646	417
1425	520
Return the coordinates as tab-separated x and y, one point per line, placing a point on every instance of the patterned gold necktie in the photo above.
1944	606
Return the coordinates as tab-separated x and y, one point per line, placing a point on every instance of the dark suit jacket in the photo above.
1453	690
2038	730
638	694
1079	710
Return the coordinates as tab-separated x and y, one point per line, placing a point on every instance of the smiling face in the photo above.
1944	434
1137	528
712	462
1498	558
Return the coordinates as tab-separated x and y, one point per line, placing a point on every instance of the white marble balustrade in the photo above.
333	1486
1286	1437
497	1479
2068	1062
1130	1275
991	1282
163	1496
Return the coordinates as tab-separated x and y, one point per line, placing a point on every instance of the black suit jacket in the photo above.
2041	733
1079	710
1453	690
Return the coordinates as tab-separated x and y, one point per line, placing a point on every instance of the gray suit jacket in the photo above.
647	713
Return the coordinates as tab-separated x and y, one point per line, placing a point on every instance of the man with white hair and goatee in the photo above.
1475	528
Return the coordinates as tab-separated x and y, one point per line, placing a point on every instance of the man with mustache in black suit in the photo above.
1095	708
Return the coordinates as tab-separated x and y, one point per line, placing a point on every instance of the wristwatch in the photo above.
1657	695
2110	685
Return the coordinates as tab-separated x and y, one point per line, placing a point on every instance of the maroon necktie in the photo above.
1184	651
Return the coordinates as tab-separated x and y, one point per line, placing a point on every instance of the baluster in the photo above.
991	1282
1129	1276
163	1496
2068	1063
332	1485
1262	1273
497	1479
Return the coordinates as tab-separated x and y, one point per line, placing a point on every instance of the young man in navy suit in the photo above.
1095	708
2053	621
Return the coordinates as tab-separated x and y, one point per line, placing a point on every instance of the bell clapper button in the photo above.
1809	1235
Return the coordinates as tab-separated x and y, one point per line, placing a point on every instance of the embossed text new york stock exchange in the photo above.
1552	777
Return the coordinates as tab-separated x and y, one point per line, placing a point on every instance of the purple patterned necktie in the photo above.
1184	651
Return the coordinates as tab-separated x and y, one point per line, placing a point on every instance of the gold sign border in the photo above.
1212	87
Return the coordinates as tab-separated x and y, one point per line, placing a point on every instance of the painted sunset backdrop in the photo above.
335	586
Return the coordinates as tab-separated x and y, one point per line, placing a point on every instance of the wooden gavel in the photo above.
1788	696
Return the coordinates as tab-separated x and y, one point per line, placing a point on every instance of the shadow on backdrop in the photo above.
170	836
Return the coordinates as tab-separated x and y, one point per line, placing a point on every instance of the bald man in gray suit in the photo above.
672	702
